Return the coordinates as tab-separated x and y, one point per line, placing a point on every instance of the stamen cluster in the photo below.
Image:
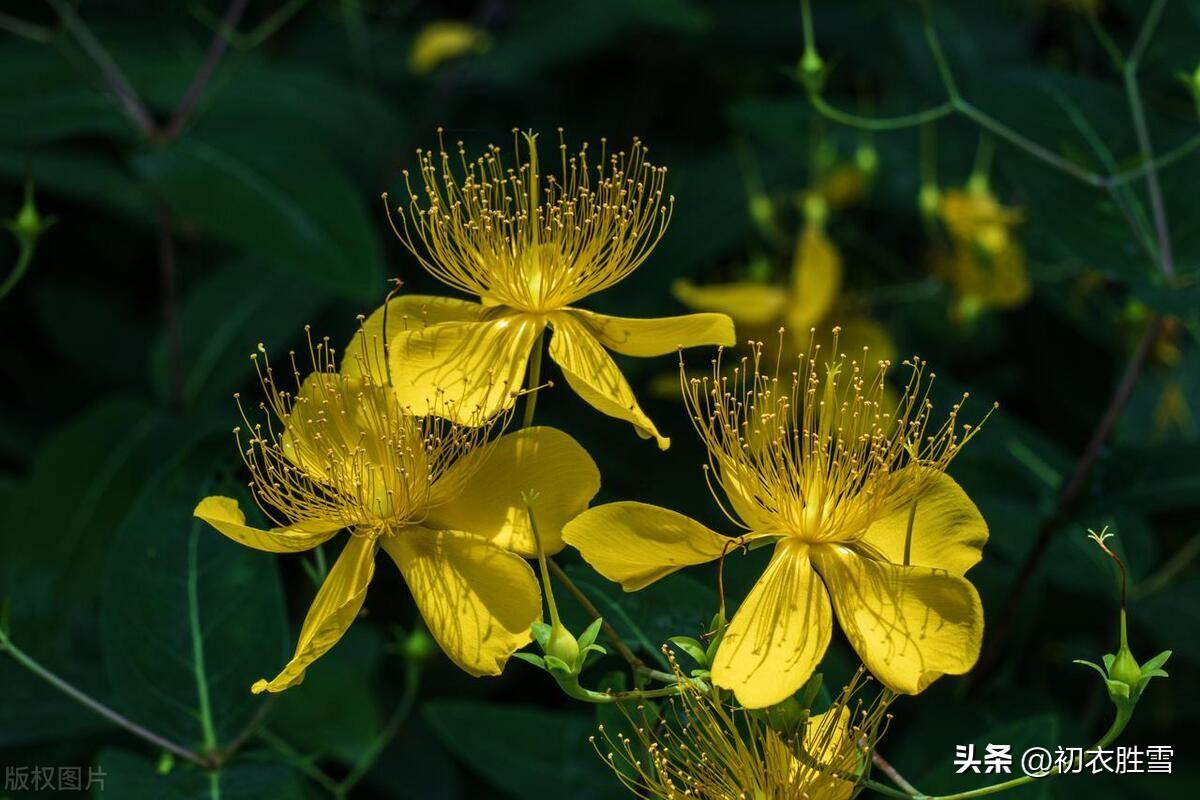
818	452
530	241
342	447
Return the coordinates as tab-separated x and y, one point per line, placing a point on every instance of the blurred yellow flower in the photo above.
984	262
759	310
708	749
530	246
445	40
856	502
439	498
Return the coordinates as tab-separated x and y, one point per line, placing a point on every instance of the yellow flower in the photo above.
437	497
444	40
529	246
807	302
859	510
707	749
985	262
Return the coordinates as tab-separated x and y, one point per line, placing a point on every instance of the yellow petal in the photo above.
224	514
948	532
463	370
337	603
635	544
749	304
816	278
406	312
444	40
909	625
482	493
779	634
477	599
656	337
595	377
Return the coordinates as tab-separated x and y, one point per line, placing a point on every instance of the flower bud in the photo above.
563	645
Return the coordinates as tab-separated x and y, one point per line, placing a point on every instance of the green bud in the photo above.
28	225
166	763
816	210
563	645
866	158
762	213
418	646
928	200
811	68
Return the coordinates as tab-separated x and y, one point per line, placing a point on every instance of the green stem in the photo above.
412	681
24	259
1137	111
25	660
535	375
1169	570
880	123
1118	725
297	761
542	566
207	728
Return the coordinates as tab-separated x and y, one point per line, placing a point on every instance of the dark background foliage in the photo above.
174	254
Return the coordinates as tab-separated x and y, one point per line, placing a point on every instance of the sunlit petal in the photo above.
478	600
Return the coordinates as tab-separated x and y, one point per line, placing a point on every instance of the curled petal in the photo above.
595	377
337	603
656	337
635	544
224	514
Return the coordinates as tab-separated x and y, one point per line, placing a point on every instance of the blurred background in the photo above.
205	177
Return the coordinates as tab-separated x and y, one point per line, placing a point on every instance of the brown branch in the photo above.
170	306
893	774
590	608
216	51
126	95
1067	498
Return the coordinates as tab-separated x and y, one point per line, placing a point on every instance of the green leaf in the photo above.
130	776
60	521
189	618
337	712
692	647
1171	616
590	633
285	203
527	753
224	318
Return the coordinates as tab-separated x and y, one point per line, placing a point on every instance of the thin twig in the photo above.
389	731
27	661
216	50
1137	111
590	608
1167	572
170	307
26	30
893	774
298	761
251	728
1067	498
126	95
